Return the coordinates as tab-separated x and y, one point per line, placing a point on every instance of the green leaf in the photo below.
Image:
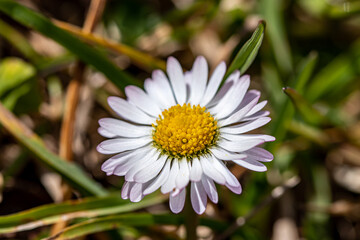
85	52
142	219
18	85
19	42
84	208
11	99
70	172
272	12
337	74
248	52
314	134
286	111
273	85
305	72
310	115
14	72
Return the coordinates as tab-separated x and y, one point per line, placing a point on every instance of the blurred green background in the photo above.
308	68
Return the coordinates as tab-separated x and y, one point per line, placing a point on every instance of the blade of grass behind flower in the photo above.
86	53
19	42
310	115
141	59
140	219
70	172
72	209
248	52
272	12
282	122
336	74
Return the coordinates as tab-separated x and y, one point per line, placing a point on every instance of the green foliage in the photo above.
248	52
307	64
132	18
79	209
86	53
18	85
69	171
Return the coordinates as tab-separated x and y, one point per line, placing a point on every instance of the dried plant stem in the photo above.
139	58
72	97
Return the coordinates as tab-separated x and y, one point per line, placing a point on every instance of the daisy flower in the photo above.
184	130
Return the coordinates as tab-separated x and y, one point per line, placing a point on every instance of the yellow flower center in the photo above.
185	131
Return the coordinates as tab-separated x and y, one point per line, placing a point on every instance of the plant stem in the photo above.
191	219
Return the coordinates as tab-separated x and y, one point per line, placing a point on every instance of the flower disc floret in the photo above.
185	131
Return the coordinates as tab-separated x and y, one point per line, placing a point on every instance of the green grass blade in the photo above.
74	175
85	52
337	74
142	219
272	13
286	111
19	42
114	222
309	114
84	208
248	52
307	67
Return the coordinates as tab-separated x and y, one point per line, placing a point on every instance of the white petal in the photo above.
176	76
199	74
140	99
257	108
230	178
155	92
136	193
102	131
122	168
246	127
109	165
117	145
182	178
124	129
251	164
244	137
240	146
224	155
256	115
198	197
210	189
249	97
196	170
214	83
177	202
189	83
244	108
160	87
170	184
129	111
266	138
159	180
142	163
211	171
260	154
148	173
126	190
236	190
232	99
229	83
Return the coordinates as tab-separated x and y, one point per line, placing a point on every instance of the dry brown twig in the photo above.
72	97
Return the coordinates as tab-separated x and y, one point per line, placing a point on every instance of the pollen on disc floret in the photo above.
185	131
